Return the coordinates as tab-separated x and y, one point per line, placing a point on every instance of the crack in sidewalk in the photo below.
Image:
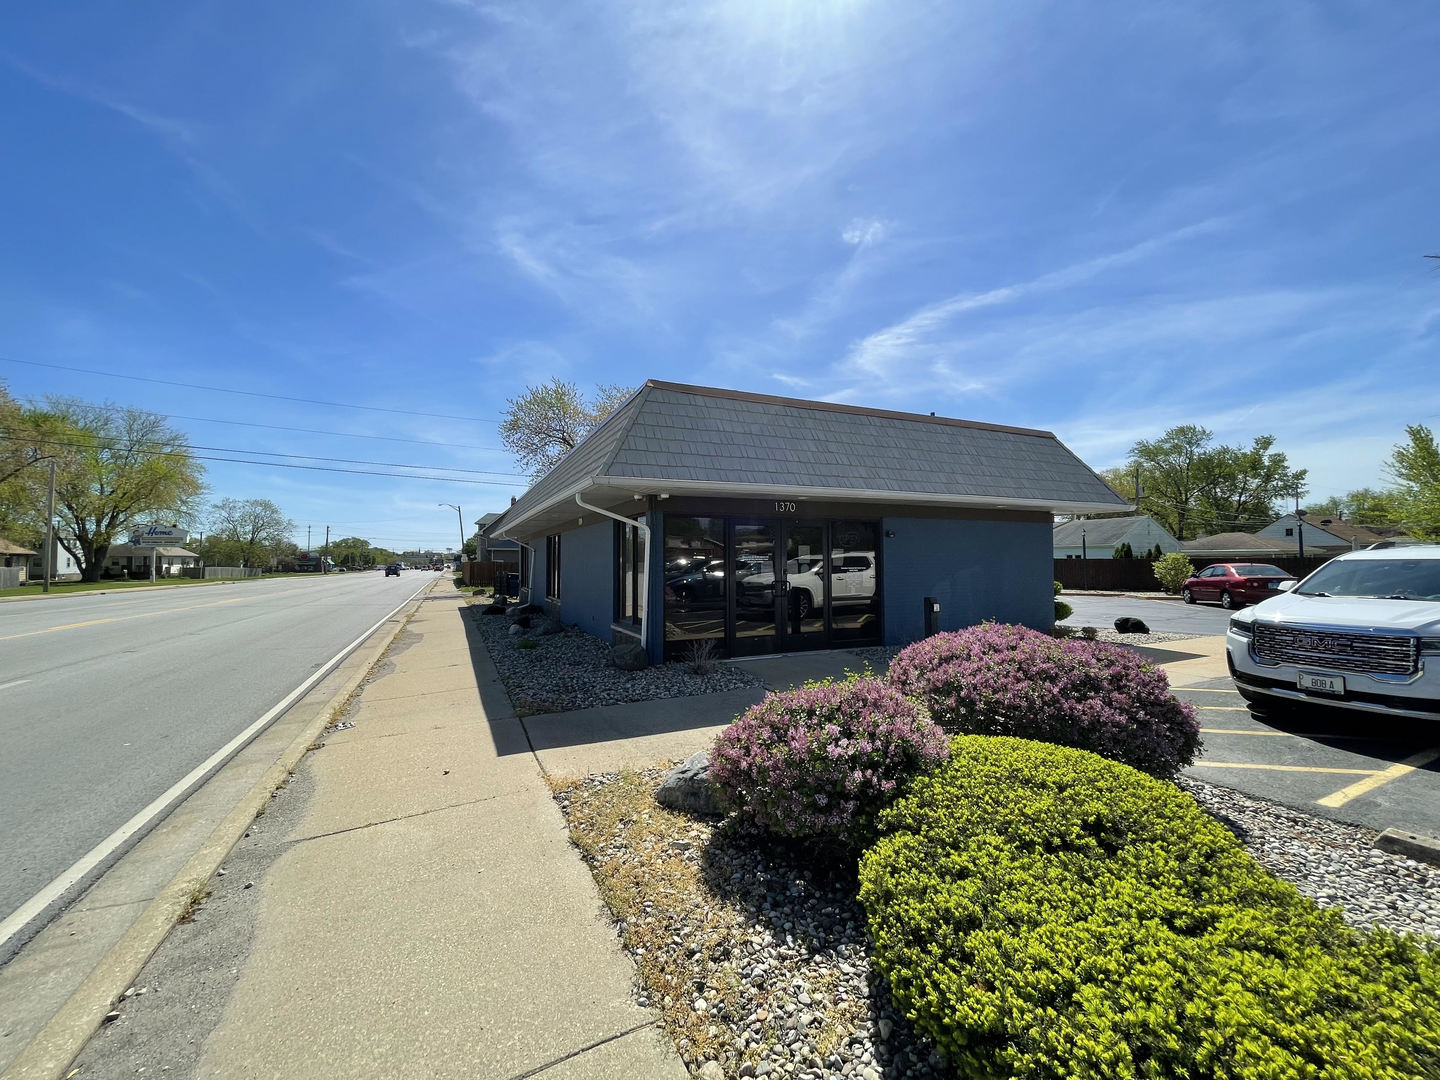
538	1069
397	817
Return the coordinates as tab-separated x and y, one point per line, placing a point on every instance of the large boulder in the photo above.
688	787
630	656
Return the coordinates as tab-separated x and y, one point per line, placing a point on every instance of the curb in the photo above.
1424	849
57	1044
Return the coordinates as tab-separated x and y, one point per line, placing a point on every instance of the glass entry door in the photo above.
756	585
806	590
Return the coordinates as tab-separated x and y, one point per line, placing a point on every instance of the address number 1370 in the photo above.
785	508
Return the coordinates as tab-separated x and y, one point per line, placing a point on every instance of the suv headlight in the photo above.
1243	627
1430	645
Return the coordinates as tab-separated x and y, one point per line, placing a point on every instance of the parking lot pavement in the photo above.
1375	771
1170	616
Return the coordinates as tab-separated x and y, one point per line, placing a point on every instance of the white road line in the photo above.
81	869
17	682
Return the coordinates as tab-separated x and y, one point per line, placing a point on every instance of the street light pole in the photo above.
460	518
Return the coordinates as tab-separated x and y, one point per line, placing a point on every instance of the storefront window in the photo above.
629	574
694	578
854	582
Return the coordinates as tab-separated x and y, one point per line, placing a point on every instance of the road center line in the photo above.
1279	768
1381	778
123	618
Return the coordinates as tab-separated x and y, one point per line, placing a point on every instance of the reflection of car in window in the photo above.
851	575
702	581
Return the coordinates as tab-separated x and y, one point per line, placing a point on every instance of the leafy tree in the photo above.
118	469
252	530
29	439
1124	551
1155	553
1364	506
546	422
1189	484
1415	467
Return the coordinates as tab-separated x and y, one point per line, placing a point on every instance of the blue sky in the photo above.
1099	219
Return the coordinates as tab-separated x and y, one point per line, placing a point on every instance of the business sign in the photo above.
156	535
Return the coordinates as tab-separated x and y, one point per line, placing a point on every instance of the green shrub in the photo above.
1059	588
527	643
1063	611
1042	912
1172	570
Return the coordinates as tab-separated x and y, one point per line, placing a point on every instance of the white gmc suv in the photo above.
1362	632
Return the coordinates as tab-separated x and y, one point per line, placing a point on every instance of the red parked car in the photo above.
1235	584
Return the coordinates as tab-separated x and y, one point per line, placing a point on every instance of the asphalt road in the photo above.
107	700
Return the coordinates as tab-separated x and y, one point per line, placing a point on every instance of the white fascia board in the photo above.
716	489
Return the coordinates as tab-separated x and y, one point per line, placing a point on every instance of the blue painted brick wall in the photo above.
587	578
978	570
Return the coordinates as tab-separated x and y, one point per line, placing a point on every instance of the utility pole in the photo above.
1299	526
461	518
49	561
1084	561
307	540
325	563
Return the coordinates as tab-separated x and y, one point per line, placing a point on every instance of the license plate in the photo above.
1321	684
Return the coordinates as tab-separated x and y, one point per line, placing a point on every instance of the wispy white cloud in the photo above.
920	339
172	129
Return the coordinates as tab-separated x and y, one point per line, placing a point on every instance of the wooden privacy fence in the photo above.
482	574
1138	575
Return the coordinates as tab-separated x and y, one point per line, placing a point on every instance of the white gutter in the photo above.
644	569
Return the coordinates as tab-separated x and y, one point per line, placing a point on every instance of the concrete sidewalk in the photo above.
428	917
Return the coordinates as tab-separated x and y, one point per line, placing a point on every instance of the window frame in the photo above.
552	566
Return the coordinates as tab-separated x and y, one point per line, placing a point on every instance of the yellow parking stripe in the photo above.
1244	731
1280	768
1379	779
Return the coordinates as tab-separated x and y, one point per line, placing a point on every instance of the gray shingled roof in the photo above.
1232	543
670	438
1099	532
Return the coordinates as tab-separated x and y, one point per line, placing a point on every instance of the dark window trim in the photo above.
628	608
552	566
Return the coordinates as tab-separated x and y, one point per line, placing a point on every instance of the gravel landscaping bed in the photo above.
572	670
1114	637
1331	862
758	960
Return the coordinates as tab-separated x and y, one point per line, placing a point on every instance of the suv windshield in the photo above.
1396	579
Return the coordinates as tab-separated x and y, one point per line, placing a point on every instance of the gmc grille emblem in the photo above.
1309	641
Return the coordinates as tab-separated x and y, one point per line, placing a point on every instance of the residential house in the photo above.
1097	538
63	565
489	549
766	524
1230	546
1323	535
14	564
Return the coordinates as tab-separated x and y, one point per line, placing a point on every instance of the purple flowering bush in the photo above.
821	761
1000	679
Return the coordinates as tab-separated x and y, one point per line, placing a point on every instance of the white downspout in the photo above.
644	568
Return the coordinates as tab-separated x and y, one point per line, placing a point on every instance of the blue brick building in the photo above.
768	524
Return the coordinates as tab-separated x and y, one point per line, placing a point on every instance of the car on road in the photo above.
392	570
1360	633
1234	585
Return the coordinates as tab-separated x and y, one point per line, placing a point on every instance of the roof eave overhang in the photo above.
562	507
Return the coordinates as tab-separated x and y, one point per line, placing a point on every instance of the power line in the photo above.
246	393
311	431
275	464
272	453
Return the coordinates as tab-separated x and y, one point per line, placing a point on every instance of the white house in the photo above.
64	566
1323	534
134	560
1097	538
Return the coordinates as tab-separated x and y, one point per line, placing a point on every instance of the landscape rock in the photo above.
629	657
688	787
516	629
522	621
548	626
1128	624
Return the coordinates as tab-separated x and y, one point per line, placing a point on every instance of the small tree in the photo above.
1155	552
1124	551
546	422
1172	570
